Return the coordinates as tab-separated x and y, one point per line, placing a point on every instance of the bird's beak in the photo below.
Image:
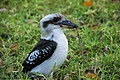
68	23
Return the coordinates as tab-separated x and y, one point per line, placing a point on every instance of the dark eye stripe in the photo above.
55	19
45	24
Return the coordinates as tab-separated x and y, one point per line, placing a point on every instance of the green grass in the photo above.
20	31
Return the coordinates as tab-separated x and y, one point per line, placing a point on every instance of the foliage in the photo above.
99	29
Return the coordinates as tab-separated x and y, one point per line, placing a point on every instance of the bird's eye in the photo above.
56	19
45	24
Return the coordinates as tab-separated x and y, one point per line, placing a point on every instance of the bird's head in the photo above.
54	21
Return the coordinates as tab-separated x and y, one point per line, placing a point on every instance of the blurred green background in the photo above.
99	29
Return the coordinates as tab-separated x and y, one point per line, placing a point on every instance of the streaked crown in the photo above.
51	19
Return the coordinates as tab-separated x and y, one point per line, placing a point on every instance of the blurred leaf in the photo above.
67	77
91	75
81	51
88	3
14	46
10	69
29	20
95	27
84	51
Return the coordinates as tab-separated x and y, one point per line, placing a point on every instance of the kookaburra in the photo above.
52	49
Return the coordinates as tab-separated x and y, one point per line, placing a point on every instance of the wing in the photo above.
41	52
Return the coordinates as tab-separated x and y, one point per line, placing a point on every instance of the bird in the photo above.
52	48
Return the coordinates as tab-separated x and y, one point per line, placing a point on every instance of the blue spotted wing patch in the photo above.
33	55
42	51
